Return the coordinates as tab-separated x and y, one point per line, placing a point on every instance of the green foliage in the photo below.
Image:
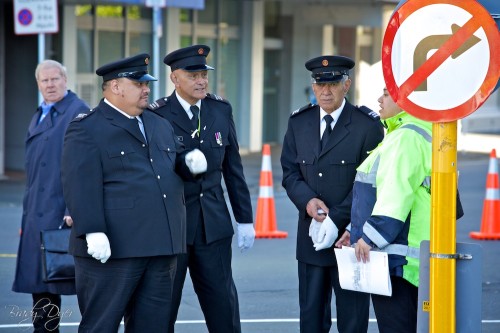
134	12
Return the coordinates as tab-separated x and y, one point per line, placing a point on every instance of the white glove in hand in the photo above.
314	230
327	234
98	246
196	161
246	236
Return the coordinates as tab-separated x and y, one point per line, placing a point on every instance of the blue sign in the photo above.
188	4
25	17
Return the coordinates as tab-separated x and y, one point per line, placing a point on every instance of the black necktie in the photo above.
194	109
328	130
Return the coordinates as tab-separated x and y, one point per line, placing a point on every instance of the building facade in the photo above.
258	49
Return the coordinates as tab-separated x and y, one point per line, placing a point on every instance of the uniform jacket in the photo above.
43	203
391	195
219	143
114	182
329	174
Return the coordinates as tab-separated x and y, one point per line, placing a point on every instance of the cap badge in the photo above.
200	51
146	61
324	62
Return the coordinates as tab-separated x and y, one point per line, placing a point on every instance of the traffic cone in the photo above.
265	225
490	223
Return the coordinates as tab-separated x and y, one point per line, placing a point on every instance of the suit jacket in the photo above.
328	174
219	143
43	203
117	183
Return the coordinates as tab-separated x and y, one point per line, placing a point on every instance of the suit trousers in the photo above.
210	270
46	312
397	313
315	295
138	289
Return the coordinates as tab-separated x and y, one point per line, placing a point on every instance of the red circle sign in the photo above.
25	16
409	84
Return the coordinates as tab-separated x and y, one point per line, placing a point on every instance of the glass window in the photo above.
186	15
231	12
84	51
185	41
272	16
110	46
140	43
211	61
138	12
229	73
209	14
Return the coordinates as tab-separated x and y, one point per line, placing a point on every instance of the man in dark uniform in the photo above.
119	179
205	121
323	146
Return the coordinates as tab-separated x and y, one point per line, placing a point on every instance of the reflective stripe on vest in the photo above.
419	130
402	250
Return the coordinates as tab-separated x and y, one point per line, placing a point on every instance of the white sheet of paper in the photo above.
370	277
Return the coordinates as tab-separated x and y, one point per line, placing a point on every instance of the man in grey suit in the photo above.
120	173
323	146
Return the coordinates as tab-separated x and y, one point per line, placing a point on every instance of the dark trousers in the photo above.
46	312
397	313
210	270
315	295
138	289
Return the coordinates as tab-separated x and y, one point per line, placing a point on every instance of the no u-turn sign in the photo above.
441	58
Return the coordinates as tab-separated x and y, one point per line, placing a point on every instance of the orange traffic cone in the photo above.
265	225
490	223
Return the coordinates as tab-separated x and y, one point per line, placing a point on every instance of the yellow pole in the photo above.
443	228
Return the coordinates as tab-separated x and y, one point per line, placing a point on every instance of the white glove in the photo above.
327	234
246	236
196	161
98	246
314	230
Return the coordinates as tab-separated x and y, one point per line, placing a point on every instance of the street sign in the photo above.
441	58
156	3
35	17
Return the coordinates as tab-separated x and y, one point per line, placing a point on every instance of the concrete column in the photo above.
172	33
252	61
69	56
328	47
2	97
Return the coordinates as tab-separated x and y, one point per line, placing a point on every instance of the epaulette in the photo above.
304	108
158	103
368	112
83	115
217	98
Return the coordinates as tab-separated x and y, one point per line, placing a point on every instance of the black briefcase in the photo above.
57	263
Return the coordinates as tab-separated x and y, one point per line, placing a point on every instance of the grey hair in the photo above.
50	64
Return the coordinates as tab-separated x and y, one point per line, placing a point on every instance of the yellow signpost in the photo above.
432	50
443	228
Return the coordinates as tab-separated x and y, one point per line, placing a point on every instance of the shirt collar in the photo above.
45	106
335	114
185	105
114	107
